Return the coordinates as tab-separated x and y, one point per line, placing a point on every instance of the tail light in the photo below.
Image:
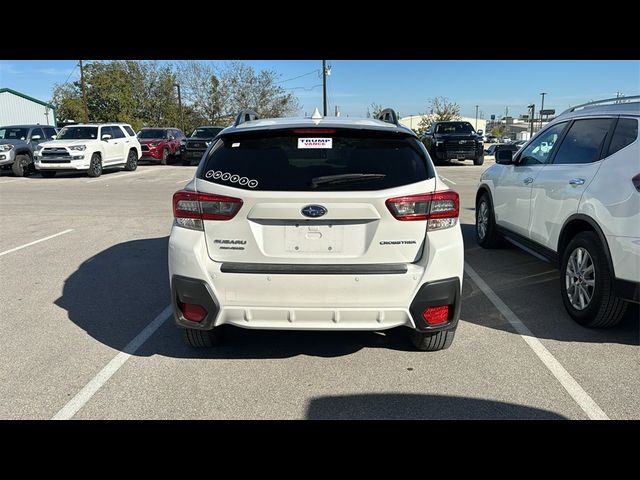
636	182
192	311
191	208
441	209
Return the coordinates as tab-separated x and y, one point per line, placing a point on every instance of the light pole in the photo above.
532	112
324	87
542	107
177	85
476	117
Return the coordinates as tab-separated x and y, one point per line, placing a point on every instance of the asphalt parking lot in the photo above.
86	331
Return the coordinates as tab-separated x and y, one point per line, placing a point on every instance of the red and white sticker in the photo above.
315	142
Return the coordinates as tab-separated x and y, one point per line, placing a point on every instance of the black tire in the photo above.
200	338
132	161
48	173
432	341
21	165
604	309
478	160
489	236
95	167
165	157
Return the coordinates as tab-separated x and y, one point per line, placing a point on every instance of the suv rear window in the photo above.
356	160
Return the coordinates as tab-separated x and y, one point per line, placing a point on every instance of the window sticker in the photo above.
231	177
237	144
315	142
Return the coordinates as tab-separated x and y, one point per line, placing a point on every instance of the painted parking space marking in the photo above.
35	242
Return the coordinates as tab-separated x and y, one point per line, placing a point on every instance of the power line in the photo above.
299	76
69	76
306	89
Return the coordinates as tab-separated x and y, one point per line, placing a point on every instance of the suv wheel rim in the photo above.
132	159
483	219
580	279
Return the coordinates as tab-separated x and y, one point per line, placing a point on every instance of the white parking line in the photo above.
103	376
582	398
447	180
114	176
36	241
182	181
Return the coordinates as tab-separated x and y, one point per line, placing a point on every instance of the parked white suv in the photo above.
90	148
572	195
316	224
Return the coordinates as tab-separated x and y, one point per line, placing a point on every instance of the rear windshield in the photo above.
340	160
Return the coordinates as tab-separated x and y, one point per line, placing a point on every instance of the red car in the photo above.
161	144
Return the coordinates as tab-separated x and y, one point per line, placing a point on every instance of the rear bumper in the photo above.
314	300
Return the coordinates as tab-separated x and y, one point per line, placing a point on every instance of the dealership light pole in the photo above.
177	85
84	94
542	107
476	117
532	112
324	87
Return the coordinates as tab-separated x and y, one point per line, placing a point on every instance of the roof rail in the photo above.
245	116
601	102
388	115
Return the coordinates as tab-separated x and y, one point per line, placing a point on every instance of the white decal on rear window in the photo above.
231	177
315	142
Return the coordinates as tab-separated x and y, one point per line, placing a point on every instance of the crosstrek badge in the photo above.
315	142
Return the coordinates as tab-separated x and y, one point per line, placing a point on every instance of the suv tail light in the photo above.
636	182
441	209
191	208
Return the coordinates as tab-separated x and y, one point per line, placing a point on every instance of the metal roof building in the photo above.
19	109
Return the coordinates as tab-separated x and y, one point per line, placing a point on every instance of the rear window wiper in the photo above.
346	178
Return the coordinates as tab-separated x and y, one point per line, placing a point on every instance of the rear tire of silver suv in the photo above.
486	233
586	283
432	341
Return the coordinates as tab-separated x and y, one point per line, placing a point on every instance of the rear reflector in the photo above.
440	208
191	208
436	315
192	312
636	182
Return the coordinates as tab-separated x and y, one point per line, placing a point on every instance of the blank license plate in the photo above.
314	238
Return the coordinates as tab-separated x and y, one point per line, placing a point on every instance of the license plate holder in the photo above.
314	238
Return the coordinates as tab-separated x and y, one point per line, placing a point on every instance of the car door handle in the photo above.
576	181
528	180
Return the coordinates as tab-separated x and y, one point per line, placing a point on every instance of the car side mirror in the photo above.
171	137
35	137
504	156
106	137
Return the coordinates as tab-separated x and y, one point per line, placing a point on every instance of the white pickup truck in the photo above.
90	148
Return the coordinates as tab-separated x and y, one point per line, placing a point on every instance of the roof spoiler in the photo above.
602	102
245	116
388	115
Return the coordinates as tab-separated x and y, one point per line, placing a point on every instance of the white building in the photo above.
413	122
19	109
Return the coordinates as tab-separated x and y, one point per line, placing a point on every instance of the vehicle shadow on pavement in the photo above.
531	289
119	291
395	406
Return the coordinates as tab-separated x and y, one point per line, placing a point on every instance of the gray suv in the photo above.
17	144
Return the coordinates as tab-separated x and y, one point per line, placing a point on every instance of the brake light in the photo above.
307	131
436	315
191	208
441	209
636	182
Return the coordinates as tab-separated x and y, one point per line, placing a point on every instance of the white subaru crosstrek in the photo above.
316	224
90	148
571	195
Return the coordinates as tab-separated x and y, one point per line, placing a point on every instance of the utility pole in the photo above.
84	94
180	107
619	94
532	112
542	107
324	87
476	117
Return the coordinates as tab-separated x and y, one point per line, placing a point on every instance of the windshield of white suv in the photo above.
454	127
13	133
152	133
78	133
302	160
205	132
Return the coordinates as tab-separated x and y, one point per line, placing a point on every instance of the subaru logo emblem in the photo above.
313	211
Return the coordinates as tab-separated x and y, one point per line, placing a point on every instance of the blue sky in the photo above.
405	85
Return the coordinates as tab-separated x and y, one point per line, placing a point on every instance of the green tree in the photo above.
440	109
374	110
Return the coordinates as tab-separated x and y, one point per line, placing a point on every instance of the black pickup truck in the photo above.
198	143
447	140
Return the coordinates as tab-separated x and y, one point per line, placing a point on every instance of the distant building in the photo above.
413	122
19	109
